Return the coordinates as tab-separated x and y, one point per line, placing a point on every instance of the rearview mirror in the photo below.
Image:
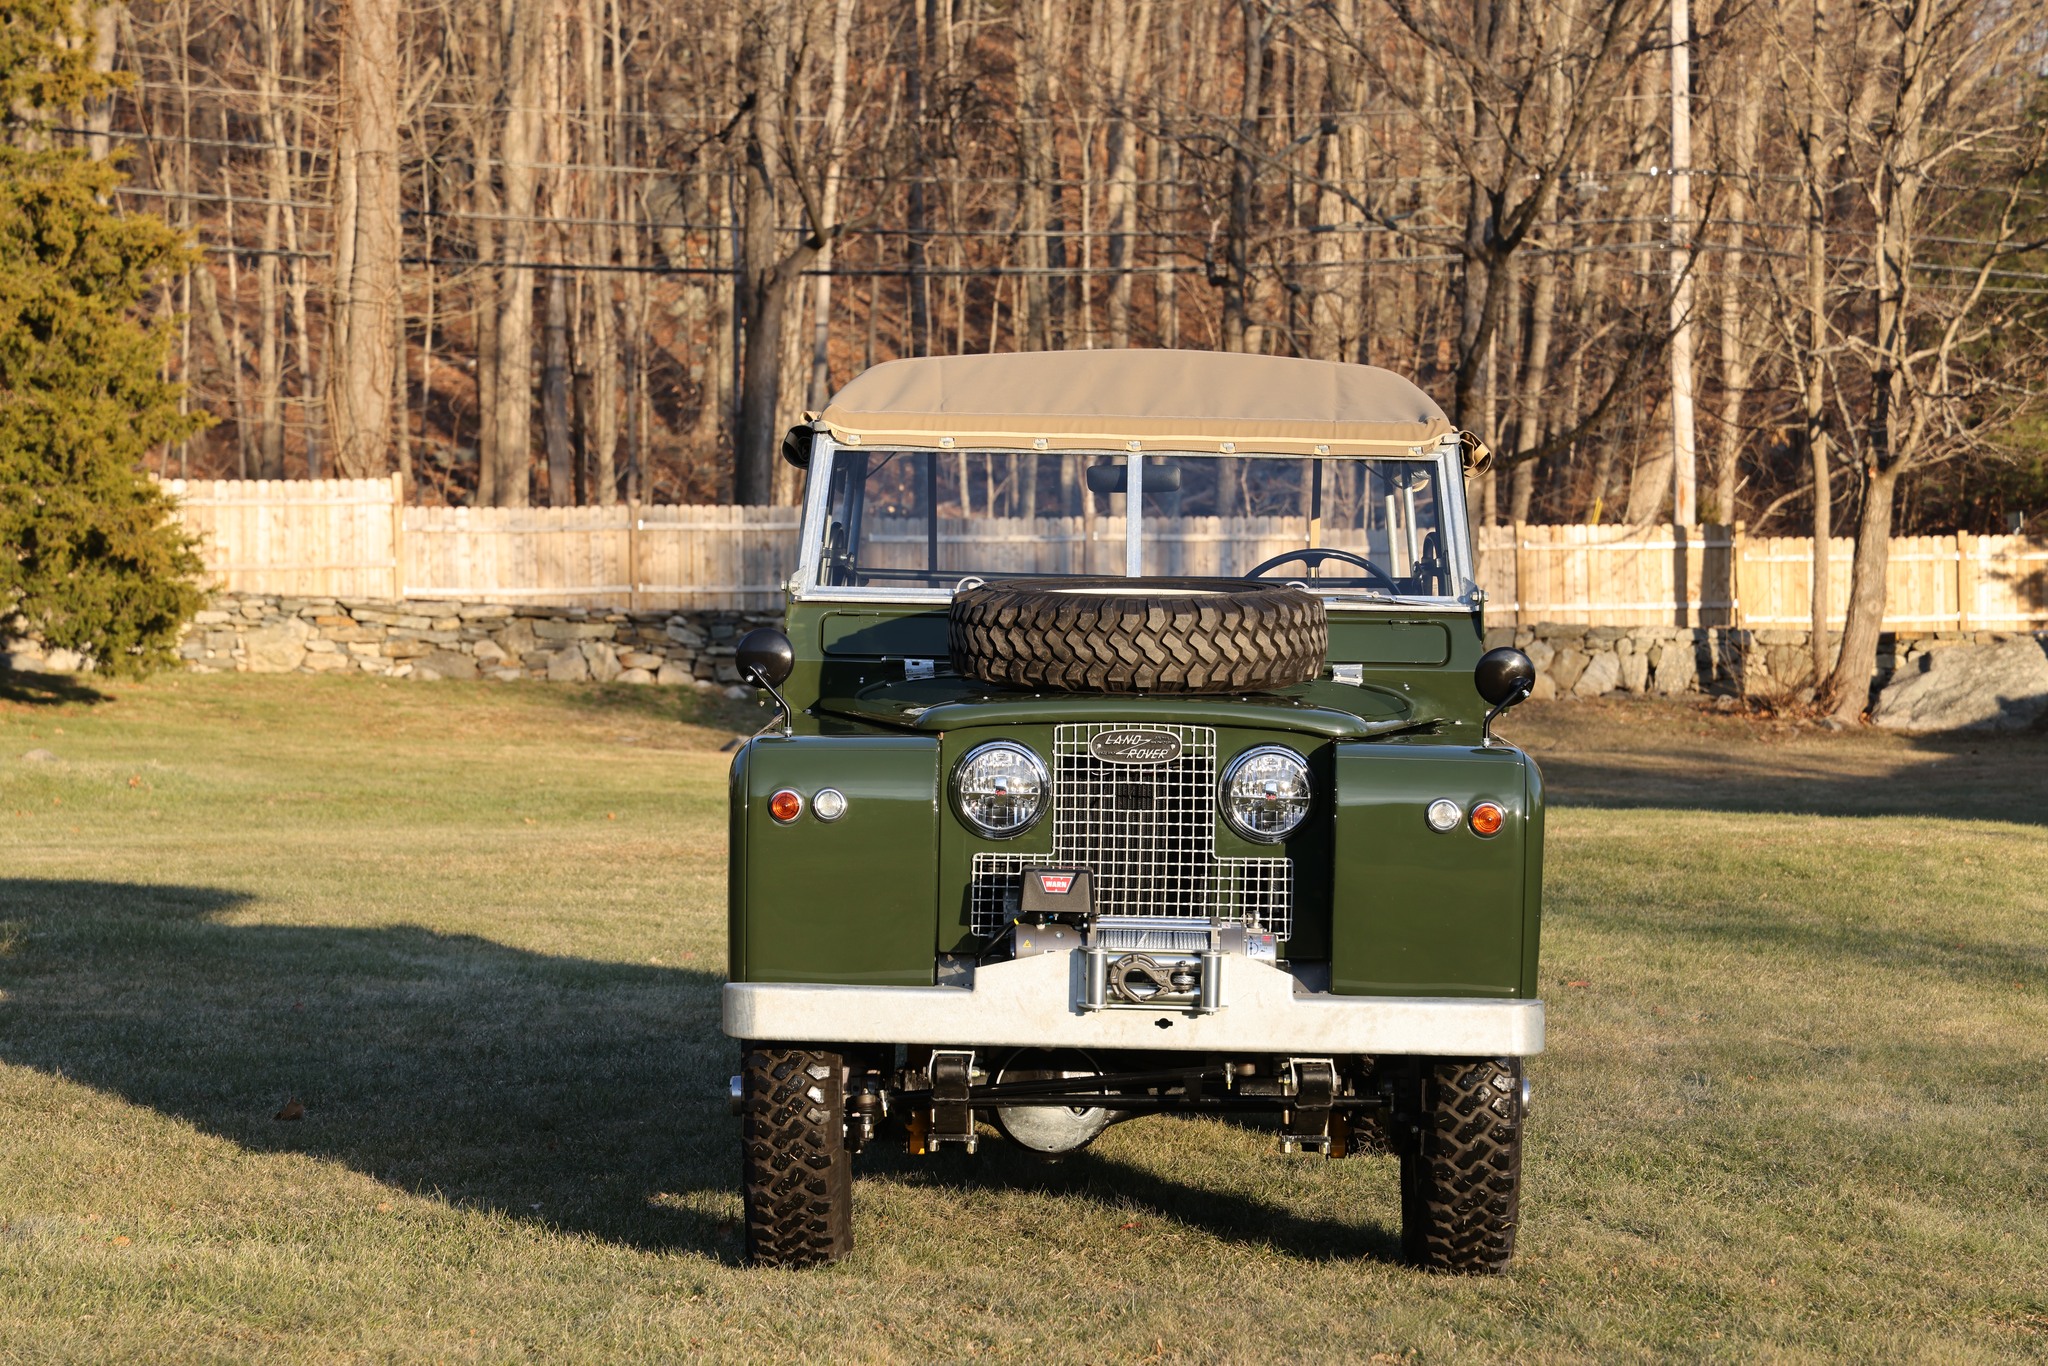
796	445
1504	676
765	655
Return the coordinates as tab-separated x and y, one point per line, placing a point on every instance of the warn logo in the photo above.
1056	884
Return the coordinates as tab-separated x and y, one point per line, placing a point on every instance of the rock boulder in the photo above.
277	649
1969	687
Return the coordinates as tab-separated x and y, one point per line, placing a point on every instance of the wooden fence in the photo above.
355	538
1719	576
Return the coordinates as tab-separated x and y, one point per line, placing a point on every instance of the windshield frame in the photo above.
1446	455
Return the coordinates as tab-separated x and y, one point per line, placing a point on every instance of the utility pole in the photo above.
1684	447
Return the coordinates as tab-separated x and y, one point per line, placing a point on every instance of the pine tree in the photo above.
91	557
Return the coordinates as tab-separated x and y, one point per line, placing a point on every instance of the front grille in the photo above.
1148	834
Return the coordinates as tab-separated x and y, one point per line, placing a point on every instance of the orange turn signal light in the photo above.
785	806
1487	818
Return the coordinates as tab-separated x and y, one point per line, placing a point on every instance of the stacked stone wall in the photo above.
436	639
1592	661
464	640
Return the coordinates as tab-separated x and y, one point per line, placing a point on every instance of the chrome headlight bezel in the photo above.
1226	794
1033	766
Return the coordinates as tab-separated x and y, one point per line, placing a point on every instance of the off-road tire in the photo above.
1461	1165
796	1176
1188	636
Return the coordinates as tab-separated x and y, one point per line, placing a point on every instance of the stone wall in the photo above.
435	639
429	640
1591	661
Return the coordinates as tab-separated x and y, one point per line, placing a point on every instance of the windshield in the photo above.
927	519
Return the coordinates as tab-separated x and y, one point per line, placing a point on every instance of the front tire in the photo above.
796	1176
1461	1166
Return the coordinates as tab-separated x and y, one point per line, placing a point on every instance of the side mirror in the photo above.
796	445
766	656
1504	676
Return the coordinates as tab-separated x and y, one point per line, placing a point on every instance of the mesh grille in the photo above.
1148	834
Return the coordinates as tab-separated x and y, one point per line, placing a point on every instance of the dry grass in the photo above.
1794	1105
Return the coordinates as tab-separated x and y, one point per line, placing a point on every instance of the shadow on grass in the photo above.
1992	777
46	690
562	1091
631	701
1223	1215
587	1096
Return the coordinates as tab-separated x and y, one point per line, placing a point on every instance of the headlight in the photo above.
1265	793
999	789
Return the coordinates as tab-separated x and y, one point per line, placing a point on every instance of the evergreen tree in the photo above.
91	557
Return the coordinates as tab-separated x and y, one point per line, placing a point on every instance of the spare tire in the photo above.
1138	635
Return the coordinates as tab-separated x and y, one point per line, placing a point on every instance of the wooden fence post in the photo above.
1521	579
1735	550
632	554
397	535
1966	579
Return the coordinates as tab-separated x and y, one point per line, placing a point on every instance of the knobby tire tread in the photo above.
1461	1169
1226	637
796	1174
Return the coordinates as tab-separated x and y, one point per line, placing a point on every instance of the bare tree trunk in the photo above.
1738	355
366	284
1125	38
1529	424
554	394
277	191
601	414
1244	173
297	286
1815	429
835	163
767	271
524	35
1333	308
1038	37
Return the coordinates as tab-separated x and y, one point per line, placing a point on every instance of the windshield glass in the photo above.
927	519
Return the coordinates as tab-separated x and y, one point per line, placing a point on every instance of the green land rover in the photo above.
1134	757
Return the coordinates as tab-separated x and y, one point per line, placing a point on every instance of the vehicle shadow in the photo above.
1227	1216
587	1096
33	689
583	1095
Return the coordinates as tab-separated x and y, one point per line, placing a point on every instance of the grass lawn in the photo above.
1796	1103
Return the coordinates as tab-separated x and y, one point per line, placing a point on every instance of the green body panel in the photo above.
1395	908
1356	641
835	901
1422	913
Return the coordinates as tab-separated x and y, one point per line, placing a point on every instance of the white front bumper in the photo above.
1035	1003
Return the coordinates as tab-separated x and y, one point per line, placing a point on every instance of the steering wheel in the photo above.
1314	559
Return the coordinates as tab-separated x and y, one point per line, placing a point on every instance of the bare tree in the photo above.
366	269
1934	59
772	61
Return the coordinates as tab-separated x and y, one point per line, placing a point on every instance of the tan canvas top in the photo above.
1160	400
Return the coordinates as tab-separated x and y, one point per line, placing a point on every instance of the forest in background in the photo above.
574	251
